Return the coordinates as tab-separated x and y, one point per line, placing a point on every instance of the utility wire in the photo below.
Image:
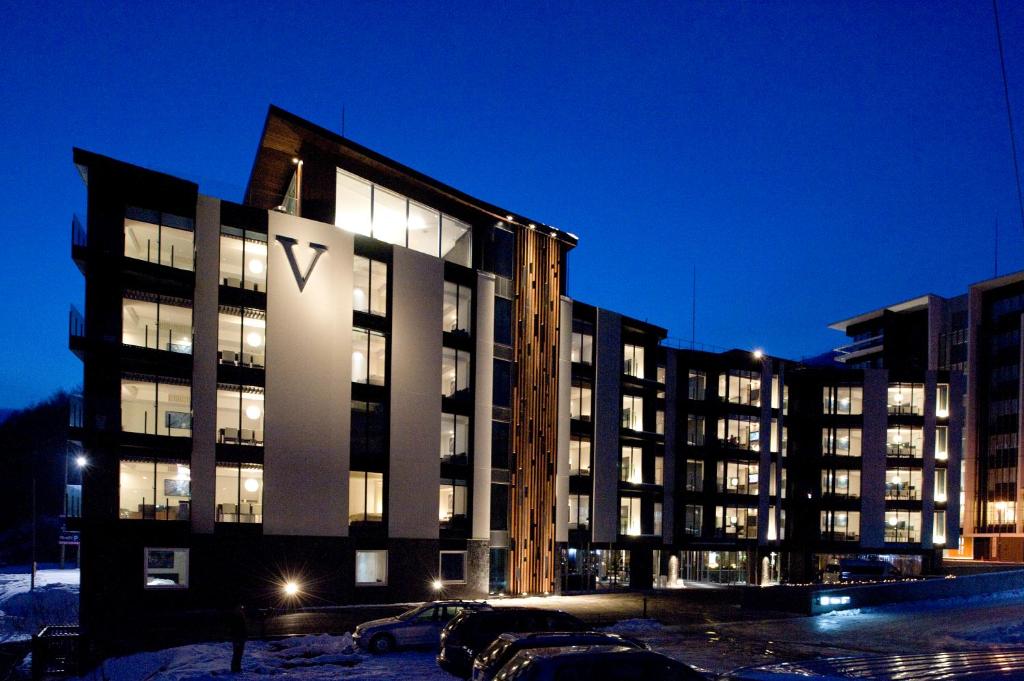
1009	112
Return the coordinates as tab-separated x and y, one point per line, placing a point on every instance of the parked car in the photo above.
490	661
420	626
469	632
595	663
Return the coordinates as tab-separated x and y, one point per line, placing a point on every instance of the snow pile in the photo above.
1009	634
310	658
24	612
636	626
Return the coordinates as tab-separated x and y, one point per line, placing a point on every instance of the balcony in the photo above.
79	242
76	332
866	346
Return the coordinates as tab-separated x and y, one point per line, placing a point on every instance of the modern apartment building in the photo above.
977	333
365	386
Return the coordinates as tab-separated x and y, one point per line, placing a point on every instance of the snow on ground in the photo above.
23	612
310	658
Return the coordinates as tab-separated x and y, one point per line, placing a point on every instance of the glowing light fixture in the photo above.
758	353
251	485
290	588
253	412
438	585
253	340
256	266
81	461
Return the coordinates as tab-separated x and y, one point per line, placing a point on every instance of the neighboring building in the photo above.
978	333
287	390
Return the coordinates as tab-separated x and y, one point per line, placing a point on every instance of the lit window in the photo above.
241	336
157	324
369	286
243	259
365	497
579	511
165	568
159	238
579	401
633	412
631	468
633	361
369	356
579	456
629	516
582	348
156	408
457	308
454	372
452	503
371	568
239	494
240	414
906	398
154	490
454	438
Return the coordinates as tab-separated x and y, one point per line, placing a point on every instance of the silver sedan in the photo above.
419	627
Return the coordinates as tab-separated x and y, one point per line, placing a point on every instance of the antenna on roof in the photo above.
342	120
1009	112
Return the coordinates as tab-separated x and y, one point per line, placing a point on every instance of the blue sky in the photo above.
812	159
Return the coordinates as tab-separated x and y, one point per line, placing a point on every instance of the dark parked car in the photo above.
489	662
469	632
420	626
595	663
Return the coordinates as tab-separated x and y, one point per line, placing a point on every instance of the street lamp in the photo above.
81	461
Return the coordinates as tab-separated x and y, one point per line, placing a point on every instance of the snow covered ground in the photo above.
54	601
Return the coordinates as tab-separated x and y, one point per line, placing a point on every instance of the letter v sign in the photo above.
289	243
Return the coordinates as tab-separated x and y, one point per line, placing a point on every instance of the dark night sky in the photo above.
813	160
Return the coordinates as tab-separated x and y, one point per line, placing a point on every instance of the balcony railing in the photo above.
79	237
76	323
857	346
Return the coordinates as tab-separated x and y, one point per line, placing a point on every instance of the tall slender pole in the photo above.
32	583
1009	111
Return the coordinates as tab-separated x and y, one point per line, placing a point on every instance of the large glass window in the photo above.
353	203
632	465
369	357
740	387
736	522
241	336
695	430
841	441
457	308
454	438
840	525
369	286
844	482
371	568
579	456
364	208
365	497
582	348
154	490
740	431
369	429
633	360
579	511
659	422
693	519
904	441
906	398
156	408
903	483
698	385
500	444
657	518
424	228
454	373
737	477
633	412
243	259
940	485
502	394
902	526
629	516
694	475
941	443
843	399
939	528
452	503
239	494
579	401
159	238
239	414
166	568
156	324
502	321
776	445
942	400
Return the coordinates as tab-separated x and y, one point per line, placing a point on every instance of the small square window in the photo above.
166	568
371	568
453	567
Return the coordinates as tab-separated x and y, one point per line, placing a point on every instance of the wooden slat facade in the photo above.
535	414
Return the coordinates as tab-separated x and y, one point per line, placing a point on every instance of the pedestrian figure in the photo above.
237	629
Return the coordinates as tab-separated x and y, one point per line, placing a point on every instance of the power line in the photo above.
1009	112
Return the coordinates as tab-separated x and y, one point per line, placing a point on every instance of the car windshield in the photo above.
409	614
